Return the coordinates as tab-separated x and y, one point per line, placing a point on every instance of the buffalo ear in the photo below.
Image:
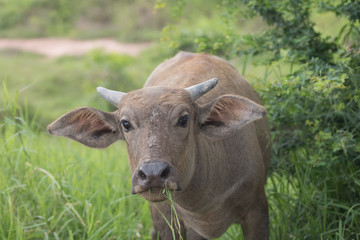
89	126
228	113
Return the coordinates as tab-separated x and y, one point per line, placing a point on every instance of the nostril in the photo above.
165	173
141	175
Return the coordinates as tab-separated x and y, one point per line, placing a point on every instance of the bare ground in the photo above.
57	47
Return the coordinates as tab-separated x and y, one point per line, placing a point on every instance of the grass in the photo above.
52	188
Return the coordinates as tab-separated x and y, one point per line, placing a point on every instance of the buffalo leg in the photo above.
256	223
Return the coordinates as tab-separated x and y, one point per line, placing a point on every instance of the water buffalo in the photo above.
205	141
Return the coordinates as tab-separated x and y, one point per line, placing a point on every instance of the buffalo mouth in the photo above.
153	178
156	193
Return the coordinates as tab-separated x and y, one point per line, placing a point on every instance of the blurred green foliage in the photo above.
112	68
125	20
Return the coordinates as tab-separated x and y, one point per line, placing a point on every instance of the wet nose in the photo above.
154	174
154	171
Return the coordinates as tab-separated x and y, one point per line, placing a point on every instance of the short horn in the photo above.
111	96
200	89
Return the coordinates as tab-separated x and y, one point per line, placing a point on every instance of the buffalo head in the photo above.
161	127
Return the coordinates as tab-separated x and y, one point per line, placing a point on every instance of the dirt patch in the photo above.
57	47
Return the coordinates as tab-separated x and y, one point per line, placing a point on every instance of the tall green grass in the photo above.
53	188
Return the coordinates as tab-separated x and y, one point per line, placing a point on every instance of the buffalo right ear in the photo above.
89	126
227	114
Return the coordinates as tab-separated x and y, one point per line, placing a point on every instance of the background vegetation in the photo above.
301	56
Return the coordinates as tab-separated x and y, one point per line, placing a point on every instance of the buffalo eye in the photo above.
182	122
126	125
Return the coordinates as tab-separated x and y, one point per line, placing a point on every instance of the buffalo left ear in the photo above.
228	113
89	126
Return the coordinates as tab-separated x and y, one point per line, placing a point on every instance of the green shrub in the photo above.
315	123
12	12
